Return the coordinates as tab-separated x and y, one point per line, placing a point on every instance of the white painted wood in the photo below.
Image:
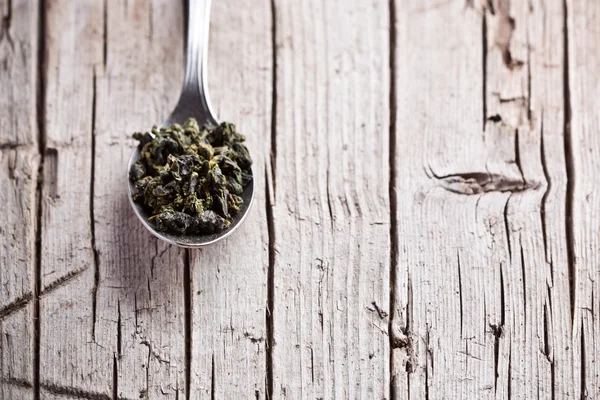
19	161
584	83
229	279
331	206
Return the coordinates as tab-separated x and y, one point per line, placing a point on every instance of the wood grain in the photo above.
547	103
114	292
18	177
331	206
492	200
67	263
18	72
19	162
450	238
229	279
139	298
516	92
582	152
425	218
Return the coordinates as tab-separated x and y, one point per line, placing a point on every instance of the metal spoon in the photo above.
194	101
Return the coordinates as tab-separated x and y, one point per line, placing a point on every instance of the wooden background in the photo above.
427	216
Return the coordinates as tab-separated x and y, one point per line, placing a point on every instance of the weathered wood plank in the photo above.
496	291
451	245
140	303
18	72
229	279
516	103
70	360
489	198
19	163
18	178
331	206
113	292
547	104
583	147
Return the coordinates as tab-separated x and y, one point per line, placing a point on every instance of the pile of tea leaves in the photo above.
191	178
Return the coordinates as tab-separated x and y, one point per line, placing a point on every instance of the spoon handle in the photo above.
195	82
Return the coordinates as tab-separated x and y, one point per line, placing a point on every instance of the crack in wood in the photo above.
104	32
329	200
146	343
484	53
550	348
135	312
428	363
547	347
145	393
22	383
498	331
528	100
518	156
149	289
394	341
92	217
115	382
12	160
41	125
523	282
381	313
15	305
24	300
270	200
71	391
312	365
270	324
570	166
460	291
51	173
509	374
507	227
62	281
212	378
583	390
273	152
119	333
14	146
188	304
544	200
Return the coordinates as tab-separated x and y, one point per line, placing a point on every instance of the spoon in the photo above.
194	101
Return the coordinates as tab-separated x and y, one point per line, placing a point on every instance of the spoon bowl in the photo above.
194	102
190	240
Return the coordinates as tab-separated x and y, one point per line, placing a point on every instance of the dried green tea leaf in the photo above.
190	178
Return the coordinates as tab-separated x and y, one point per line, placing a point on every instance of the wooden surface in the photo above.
425	223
